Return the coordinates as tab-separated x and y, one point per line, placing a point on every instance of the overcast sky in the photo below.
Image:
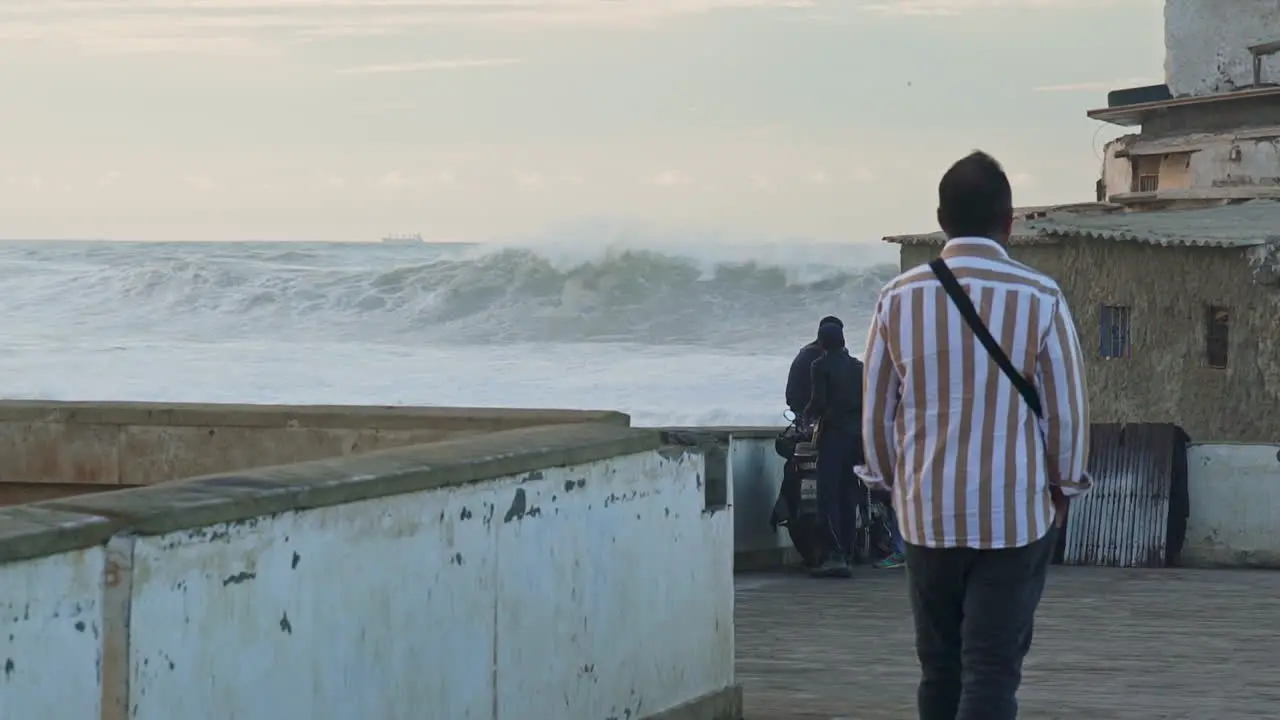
473	119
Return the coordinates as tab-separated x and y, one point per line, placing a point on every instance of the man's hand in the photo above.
1060	503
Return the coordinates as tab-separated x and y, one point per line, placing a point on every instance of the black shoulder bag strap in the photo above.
970	314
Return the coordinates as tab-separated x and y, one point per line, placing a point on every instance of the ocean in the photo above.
675	335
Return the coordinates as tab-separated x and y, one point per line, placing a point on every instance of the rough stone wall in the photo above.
1206	43
1166	379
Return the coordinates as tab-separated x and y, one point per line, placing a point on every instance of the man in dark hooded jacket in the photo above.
836	404
800	379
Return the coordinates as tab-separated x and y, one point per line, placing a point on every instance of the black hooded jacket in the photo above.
837	391
800	378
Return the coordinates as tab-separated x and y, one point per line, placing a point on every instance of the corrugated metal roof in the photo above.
1251	223
1241	225
1022	234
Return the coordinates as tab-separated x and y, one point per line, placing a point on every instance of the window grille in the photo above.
1217	336
1114	326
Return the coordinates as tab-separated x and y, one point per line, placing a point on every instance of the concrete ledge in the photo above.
296	416
31	531
21	493
726	431
213	499
725	704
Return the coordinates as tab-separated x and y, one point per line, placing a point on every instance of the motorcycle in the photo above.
796	508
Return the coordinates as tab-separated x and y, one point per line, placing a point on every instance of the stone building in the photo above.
1174	274
1178	311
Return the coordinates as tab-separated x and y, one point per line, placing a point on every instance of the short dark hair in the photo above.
974	197
832	319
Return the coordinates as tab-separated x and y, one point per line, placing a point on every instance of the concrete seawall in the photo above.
580	568
566	571
1234	491
754	470
59	449
1235	505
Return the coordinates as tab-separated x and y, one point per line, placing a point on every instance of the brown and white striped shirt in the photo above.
968	464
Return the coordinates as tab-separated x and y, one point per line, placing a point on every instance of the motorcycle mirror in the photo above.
790	416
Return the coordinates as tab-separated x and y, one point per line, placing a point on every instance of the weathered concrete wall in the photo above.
114	444
546	572
1166	378
1235	505
1225	162
757	480
754	469
1117	172
50	615
49	640
1200	162
1206	44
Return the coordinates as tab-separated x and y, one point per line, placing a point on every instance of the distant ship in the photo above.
414	239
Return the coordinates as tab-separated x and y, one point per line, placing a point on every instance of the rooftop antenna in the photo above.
1097	153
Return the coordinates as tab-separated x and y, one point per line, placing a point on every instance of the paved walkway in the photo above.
1123	644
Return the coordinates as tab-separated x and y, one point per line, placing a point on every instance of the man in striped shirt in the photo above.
979	481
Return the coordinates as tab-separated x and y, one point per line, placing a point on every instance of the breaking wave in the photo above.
459	293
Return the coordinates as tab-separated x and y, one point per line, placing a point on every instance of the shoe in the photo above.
892	561
836	567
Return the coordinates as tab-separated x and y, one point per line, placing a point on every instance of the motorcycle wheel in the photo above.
880	539
861	538
807	539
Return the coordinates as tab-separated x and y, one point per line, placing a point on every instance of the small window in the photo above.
1217	336
1115	332
1146	173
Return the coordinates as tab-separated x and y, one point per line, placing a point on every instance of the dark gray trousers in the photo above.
974	613
838	452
